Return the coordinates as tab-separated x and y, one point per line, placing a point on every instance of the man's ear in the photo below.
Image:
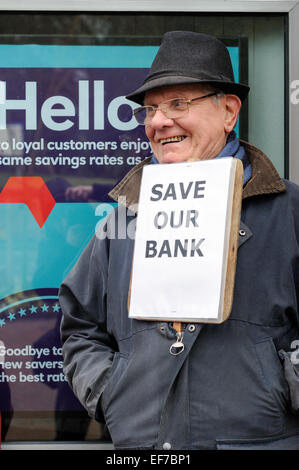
232	108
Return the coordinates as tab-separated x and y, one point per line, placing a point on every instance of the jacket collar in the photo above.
265	179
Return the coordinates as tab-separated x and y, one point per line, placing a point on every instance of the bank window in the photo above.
67	136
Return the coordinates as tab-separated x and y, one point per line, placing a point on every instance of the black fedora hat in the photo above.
186	57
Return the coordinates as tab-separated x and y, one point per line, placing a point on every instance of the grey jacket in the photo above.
236	385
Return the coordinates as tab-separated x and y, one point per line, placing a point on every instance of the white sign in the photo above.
182	241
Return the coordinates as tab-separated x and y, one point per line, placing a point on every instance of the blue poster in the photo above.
67	136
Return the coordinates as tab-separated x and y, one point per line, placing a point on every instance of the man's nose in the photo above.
160	119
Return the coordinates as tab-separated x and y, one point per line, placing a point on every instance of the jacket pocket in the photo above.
282	443
272	373
119	365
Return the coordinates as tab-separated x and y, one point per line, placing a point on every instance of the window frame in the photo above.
154	6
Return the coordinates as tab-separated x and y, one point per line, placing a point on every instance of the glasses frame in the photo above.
164	111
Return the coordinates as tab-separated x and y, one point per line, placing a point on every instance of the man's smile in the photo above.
168	140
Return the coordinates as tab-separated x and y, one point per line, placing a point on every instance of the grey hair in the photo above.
211	89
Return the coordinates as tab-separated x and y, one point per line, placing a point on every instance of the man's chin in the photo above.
173	158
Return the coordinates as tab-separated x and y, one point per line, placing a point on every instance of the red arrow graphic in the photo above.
32	191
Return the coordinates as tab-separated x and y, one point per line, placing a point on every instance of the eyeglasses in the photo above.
173	109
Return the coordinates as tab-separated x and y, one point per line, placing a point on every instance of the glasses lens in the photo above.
175	108
144	114
140	114
172	109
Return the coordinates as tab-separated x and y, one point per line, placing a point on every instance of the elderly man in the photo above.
235	385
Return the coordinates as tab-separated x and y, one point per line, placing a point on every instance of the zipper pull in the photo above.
178	346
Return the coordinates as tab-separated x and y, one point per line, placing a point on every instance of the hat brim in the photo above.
227	87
